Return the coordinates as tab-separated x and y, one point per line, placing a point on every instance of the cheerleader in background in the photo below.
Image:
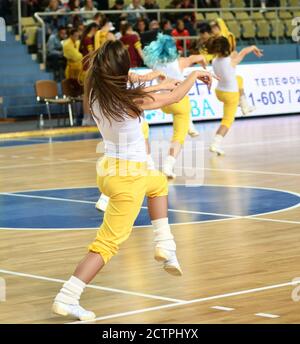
220	29
73	55
105	33
123	174
162	55
227	90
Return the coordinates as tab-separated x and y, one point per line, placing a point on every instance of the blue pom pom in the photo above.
161	51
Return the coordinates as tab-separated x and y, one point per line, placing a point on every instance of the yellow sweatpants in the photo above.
126	183
181	118
230	102
240	82
145	130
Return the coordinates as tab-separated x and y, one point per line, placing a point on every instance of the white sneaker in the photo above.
168	171
75	310
215	148
169	259
245	107
102	203
193	132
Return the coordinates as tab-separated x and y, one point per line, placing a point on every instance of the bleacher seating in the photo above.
18	75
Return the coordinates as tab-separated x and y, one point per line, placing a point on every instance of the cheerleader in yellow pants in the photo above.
123	173
162	55
227	90
164	85
219	29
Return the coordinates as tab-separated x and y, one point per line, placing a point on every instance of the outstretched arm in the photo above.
134	77
156	101
165	85
185	62
236	58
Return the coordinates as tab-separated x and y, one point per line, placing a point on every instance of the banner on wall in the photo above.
272	88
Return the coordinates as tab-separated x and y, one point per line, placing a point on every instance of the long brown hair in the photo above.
107	83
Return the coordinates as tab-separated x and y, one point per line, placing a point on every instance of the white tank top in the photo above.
222	67
171	69
122	140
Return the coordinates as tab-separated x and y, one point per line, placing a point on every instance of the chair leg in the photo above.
49	113
70	114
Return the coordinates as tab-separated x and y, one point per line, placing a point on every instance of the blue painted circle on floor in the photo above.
74	208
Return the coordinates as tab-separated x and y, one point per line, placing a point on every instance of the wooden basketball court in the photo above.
238	268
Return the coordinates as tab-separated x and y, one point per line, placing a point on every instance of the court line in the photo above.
229	145
90	161
249	171
95	228
222	308
92	202
199	300
170	209
47	164
267	315
229	217
92	286
273	220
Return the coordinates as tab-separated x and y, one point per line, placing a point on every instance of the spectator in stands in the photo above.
30	7
166	27
190	16
173	17
102	5
132	42
263	4
75	19
205	33
53	22
117	18
54	44
87	43
55	55
137	11
141	26
97	19
105	33
180	31
148	36
151	5
208	3
88	6
73	55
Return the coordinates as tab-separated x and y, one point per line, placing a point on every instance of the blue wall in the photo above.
276	52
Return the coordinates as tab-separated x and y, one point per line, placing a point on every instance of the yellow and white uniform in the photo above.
123	176
74	59
227	90
181	111
100	38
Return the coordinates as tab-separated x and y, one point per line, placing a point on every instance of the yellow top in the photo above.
227	34
100	38
208	57
71	51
